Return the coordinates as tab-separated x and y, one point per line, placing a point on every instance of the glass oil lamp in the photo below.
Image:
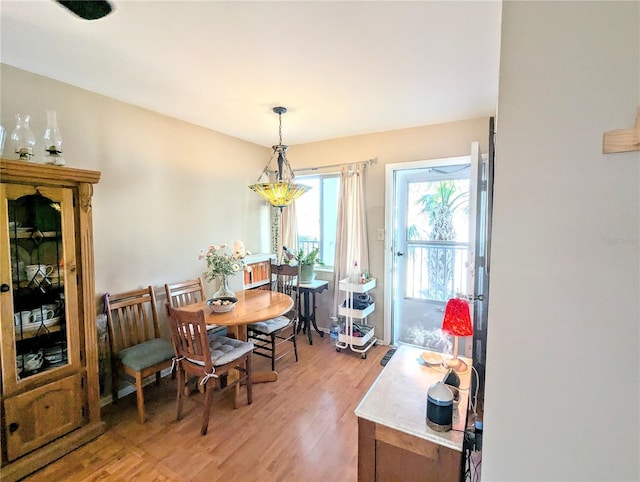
53	140
22	139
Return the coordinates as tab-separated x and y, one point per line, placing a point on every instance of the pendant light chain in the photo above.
266	168
286	162
284	148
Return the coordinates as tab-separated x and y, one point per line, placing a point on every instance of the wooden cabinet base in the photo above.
50	452
387	454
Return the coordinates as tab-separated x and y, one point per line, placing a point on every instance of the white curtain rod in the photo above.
368	162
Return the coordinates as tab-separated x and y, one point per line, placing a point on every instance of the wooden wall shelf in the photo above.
622	140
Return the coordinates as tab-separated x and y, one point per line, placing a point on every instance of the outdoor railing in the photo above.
308	246
436	270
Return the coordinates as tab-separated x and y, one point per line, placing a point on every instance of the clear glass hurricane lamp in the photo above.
22	139
53	140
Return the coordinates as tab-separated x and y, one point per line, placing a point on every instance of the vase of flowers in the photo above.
223	291
222	262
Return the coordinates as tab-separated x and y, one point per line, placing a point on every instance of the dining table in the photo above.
252	306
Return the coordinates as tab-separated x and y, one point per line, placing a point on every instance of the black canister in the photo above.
439	407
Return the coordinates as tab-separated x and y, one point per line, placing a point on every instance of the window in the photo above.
316	215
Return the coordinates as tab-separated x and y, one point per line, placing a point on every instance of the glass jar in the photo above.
22	139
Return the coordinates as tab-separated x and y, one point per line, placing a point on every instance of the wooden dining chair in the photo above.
187	293
209	358
269	336
137	349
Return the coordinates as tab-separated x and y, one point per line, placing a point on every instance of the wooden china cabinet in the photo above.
49	357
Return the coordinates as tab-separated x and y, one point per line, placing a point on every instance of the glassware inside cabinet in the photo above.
38	277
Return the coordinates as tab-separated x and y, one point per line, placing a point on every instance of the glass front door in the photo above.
431	248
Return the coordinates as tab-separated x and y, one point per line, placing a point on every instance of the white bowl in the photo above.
222	305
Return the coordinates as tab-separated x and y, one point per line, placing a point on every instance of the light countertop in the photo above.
398	397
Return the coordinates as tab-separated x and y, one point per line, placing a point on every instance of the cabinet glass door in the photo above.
37	336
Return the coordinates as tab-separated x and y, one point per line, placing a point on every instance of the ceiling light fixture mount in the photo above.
284	190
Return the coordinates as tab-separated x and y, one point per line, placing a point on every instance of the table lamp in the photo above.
457	322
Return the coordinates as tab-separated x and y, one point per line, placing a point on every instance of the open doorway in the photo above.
432	249
431	253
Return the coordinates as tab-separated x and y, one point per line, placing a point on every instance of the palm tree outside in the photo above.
442	200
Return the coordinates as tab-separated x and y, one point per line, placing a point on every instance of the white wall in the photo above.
168	188
562	393
452	139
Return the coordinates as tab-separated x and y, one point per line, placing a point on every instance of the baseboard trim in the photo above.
129	389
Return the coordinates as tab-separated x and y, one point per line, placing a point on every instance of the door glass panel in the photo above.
37	274
432	250
437	238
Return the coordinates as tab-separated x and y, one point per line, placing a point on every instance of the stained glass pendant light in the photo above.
284	190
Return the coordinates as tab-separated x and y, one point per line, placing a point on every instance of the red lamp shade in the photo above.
457	319
457	322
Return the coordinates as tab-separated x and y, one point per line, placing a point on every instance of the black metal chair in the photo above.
269	336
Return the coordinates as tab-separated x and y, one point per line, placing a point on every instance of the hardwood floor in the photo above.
300	428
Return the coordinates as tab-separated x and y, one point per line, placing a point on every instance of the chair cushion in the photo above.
269	326
225	350
146	354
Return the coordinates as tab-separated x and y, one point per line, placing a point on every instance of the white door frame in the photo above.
389	247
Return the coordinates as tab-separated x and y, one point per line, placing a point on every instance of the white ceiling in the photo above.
341	68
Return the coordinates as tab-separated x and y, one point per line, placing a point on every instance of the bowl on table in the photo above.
222	304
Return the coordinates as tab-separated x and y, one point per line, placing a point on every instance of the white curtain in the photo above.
352	244
289	232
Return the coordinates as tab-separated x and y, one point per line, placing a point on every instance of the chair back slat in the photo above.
189	336
185	293
132	318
